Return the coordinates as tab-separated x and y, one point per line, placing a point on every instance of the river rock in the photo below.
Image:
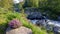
41	22
35	15
21	30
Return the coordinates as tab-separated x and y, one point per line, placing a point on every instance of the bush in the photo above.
15	23
3	25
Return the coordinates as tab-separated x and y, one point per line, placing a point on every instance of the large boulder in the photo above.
21	30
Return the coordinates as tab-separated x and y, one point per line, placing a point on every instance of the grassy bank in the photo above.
6	17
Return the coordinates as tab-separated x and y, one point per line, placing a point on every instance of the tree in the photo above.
52	6
35	3
31	3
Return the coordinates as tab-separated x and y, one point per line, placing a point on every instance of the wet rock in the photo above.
41	23
52	24
35	15
59	18
33	21
21	30
56	30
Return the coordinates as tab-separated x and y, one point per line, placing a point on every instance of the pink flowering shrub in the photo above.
14	23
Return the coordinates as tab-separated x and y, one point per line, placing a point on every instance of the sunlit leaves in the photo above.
6	3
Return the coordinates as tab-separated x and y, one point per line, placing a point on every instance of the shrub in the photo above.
15	23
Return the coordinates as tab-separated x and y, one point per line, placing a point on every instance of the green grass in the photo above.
5	18
35	29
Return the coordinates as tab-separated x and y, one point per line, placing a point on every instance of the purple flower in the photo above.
15	23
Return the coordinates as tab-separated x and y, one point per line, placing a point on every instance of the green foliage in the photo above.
6	17
52	6
34	3
6	3
42	3
21	4
35	29
31	3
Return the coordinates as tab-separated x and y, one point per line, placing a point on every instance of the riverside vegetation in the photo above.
7	13
6	17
